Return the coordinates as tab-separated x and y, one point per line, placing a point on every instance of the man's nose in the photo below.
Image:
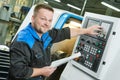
47	22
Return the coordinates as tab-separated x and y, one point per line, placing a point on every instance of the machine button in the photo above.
88	41
82	39
99	51
97	56
97	44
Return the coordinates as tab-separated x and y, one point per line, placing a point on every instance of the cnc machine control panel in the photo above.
92	47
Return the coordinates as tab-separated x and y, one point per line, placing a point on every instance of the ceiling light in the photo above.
73	7
110	6
58	0
46	2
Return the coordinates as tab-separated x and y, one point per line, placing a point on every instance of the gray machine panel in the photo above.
92	47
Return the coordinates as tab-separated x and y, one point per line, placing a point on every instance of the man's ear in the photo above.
32	18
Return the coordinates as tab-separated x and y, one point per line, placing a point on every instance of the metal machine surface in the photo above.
100	54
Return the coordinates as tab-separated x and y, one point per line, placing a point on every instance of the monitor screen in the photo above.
104	24
92	22
106	27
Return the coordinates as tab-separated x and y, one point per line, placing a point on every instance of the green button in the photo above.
99	51
97	44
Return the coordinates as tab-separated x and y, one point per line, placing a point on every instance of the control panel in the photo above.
92	47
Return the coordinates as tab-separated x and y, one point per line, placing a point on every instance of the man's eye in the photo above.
50	20
42	18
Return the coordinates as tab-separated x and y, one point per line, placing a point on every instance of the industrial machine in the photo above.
99	54
4	62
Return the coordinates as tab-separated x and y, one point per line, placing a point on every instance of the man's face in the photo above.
42	20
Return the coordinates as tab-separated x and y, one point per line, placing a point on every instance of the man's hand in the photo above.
94	30
45	71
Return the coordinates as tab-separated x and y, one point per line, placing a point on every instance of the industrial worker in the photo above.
30	51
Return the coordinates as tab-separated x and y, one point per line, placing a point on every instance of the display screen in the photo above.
92	22
105	27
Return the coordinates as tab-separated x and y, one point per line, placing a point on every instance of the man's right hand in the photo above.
45	71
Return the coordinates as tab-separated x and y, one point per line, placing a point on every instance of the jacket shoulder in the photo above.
25	36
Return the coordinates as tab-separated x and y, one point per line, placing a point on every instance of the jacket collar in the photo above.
45	38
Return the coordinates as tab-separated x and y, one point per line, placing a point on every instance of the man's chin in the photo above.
45	31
